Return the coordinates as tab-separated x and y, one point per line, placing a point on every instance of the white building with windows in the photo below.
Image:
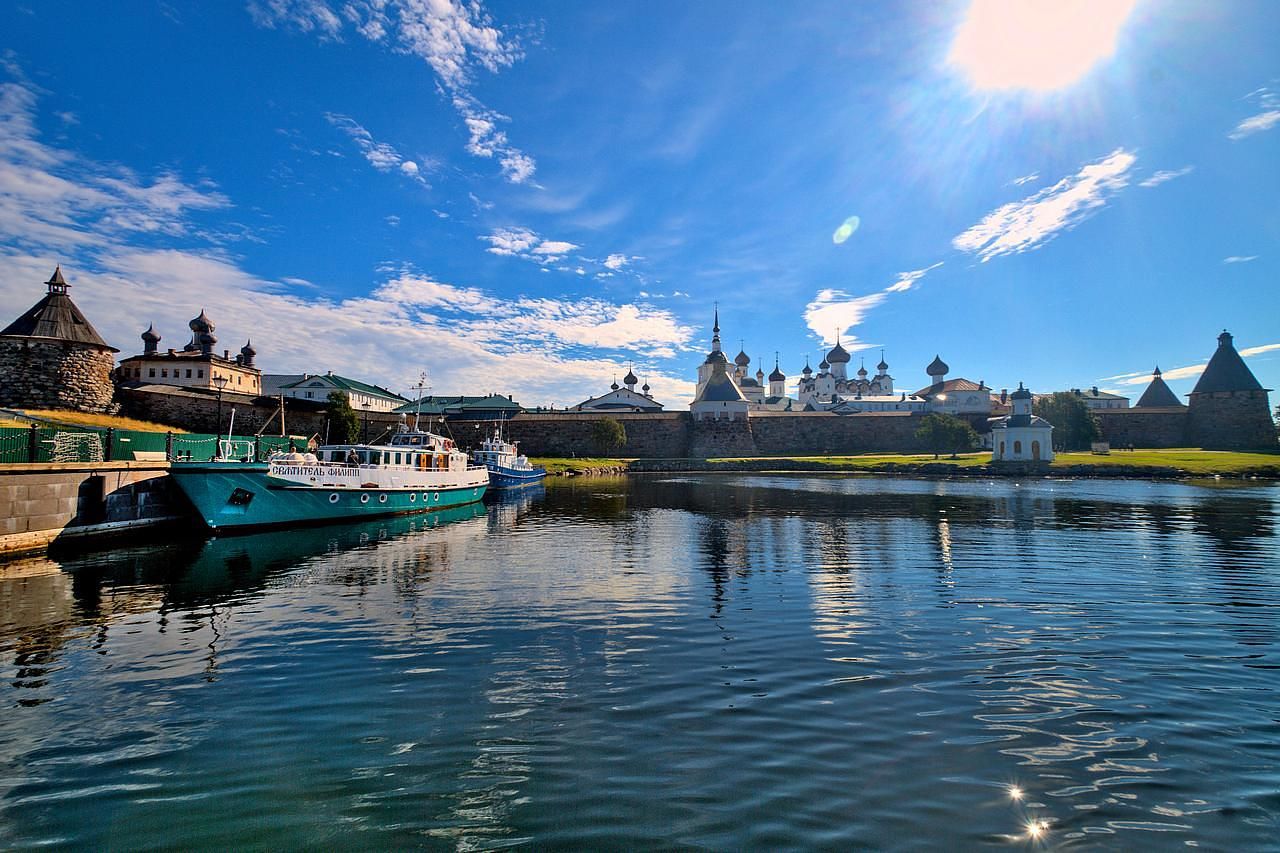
196	365
361	395
752	388
1021	436
620	399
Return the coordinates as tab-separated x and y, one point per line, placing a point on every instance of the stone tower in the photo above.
1229	407
52	358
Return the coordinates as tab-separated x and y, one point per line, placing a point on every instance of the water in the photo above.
774	662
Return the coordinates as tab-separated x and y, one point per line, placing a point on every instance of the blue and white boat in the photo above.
507	468
415	472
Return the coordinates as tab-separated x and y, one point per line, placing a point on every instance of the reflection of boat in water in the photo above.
507	468
416	472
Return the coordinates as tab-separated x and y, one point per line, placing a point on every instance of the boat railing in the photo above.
240	450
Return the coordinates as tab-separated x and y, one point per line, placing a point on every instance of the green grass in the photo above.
579	465
870	461
1191	460
59	418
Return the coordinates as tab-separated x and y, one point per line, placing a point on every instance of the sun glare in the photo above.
1036	44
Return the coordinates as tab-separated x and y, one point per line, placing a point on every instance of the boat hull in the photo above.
237	495
509	478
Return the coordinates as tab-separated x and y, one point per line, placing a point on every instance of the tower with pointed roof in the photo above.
51	357
1158	394
1229	408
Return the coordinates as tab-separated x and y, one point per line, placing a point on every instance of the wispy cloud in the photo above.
907	280
381	155
1165	175
454	38
617	261
140	256
524	243
1028	224
1191	371
1239	259
1268	116
1025	179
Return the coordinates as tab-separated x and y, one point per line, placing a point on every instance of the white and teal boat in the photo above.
415	472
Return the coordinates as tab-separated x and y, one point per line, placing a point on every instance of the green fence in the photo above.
90	444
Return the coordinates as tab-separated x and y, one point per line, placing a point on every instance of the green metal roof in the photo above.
346	384
434	405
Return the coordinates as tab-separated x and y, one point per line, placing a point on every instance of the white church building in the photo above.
1021	436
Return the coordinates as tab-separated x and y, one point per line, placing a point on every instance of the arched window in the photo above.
1035	450
1017	448
1001	456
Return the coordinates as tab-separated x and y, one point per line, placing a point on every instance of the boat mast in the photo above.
422	382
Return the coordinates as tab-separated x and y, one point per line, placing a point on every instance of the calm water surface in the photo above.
682	662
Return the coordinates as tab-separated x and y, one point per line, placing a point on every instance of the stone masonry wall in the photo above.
198	412
821	433
1150	427
1231	420
48	374
649	436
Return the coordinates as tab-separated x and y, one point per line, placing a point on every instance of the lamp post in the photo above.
366	423
219	382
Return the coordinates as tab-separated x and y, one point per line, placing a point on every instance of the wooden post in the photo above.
168	446
108	454
33	444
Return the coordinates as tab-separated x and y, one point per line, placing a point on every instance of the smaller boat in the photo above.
507	468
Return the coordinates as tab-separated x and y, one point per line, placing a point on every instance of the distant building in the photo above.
1095	399
52	358
751	387
619	399
486	408
360	395
857	405
953	396
719	398
196	365
831	384
1021	436
1229	408
1158	395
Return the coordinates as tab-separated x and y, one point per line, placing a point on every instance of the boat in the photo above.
415	472
507	468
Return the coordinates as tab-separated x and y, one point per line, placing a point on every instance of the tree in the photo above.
344	426
608	435
1074	426
942	433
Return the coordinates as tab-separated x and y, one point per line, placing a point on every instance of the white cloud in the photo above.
907	280
1165	175
1239	259
834	312
134	256
381	155
1024	225
524	243
617	261
1269	102
1025	179
1249	351
392	220
452	37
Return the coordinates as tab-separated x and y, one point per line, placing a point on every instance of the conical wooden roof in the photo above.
1226	371
56	316
1157	394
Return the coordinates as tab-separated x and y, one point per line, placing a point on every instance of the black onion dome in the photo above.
823	365
716	356
202	324
777	375
630	379
937	367
882	365
247	350
742	359
807	369
838	355
645	388
151	336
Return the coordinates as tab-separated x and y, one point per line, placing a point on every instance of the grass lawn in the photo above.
964	460
58	418
1191	460
578	465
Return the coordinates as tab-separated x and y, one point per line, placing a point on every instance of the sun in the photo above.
1036	44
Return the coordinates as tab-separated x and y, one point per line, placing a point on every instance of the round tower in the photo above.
1229	408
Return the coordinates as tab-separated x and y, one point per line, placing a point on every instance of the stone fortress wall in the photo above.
52	374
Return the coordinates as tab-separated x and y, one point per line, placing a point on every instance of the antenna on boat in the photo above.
417	413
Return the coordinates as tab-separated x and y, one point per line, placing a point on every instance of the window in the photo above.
308	395
188	373
239	380
152	373
164	373
1017	448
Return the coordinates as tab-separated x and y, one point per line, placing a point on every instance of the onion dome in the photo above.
151	336
206	342
247	354
202	324
742	359
716	356
645	387
1020	394
759	373
883	365
823	365
937	367
614	385
862	370
630	379
777	375
807	369
838	355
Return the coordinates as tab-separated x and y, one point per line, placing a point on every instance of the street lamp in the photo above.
366	423
219	382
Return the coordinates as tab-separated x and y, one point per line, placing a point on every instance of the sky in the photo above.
529	198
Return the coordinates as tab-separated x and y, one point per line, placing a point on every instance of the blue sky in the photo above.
524	198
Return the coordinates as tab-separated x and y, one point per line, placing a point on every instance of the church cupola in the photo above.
56	283
807	369
1021	400
862	371
150	340
201	327
630	380
247	354
645	388
937	370
614	385
742	359
883	366
838	354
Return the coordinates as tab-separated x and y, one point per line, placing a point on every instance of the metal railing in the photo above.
89	444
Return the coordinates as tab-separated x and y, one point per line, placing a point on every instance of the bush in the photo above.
608	435
943	433
1074	426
